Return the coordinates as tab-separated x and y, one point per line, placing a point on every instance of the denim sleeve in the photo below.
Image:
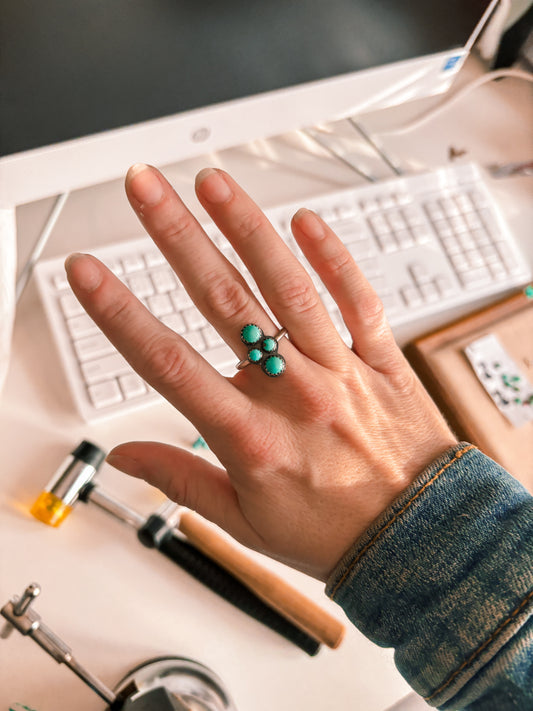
445	576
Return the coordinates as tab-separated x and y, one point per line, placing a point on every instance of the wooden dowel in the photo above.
273	590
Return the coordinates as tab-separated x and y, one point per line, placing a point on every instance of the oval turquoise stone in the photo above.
251	334
254	355
269	344
274	365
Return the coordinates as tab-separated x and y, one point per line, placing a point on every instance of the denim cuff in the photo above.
444	575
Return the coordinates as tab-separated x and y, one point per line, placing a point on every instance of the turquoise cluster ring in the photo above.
263	350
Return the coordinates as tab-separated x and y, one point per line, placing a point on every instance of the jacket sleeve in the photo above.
445	576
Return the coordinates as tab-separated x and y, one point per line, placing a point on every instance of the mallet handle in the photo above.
268	586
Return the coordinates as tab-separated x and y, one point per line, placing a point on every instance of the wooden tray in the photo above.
443	367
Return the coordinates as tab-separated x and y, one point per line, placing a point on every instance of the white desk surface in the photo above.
116	603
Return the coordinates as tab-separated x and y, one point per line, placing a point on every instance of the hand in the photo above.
308	459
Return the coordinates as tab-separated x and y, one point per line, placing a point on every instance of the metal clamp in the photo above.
21	617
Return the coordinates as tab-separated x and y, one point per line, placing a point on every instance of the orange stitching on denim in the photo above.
485	644
398	514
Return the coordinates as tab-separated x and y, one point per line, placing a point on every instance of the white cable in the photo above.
40	245
457	96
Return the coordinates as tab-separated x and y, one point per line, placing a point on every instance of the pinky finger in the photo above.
360	306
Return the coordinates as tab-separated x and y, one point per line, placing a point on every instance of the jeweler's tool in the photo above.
20	616
206	555
161	684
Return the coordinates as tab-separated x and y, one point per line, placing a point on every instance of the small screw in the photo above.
28	596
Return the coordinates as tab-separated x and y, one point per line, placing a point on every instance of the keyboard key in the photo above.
419	273
474	278
132	263
361	249
429	292
211	337
421	233
444	285
379	225
164	280
153	258
70	306
443	228
404	238
105	368
387	242
413	215
81	326
60	281
93	347
194	319
396	220
175	322
141	285
221	357
105	394
449	207
464	203
160	305
195	339
410	295
434	211
180	299
132	385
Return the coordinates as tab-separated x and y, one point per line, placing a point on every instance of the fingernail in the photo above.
144	185
213	186
309	223
84	271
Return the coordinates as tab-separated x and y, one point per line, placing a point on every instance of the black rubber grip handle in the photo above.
220	581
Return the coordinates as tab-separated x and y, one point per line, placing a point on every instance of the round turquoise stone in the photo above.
254	355
273	365
269	344
251	334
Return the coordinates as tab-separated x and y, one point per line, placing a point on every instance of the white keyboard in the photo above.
426	242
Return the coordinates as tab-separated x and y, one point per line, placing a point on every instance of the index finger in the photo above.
160	356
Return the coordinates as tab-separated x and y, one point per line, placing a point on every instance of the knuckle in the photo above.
169	362
404	378
225	295
337	263
174	230
372	311
251	224
297	294
117	310
261	446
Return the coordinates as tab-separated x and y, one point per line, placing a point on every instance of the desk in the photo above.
117	604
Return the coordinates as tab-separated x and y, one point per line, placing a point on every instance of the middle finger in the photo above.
282	280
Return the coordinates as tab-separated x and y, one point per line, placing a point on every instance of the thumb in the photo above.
187	479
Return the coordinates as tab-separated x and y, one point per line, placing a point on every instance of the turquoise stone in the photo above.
254	355
251	334
269	344
273	365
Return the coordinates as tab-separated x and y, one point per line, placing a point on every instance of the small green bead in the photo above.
274	365
270	345
251	334
254	355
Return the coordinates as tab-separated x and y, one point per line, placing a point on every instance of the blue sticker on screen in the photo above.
452	62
